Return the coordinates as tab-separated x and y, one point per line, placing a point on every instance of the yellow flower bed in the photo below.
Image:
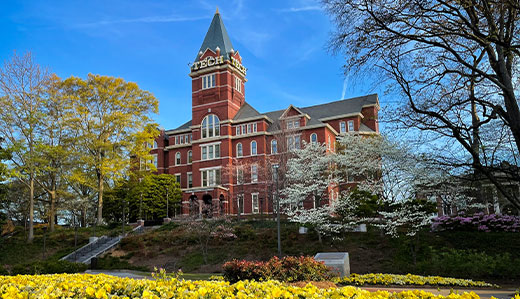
408	279
104	286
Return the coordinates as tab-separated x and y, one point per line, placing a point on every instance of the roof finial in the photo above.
217	11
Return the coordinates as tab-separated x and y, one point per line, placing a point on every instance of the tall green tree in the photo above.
23	85
112	121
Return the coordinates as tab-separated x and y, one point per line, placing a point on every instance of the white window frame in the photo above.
237	128
275	143
190	157
208	81
254	173
255	208
211	151
210	177
189	176
208	130
342	127
291	142
240	207
240	150
315	137
178	158
255	148
351	126
240	176
155	161
179	176
238	84
154	145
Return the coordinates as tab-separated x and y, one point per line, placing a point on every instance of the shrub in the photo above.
478	222
3	271
48	267
470	263
287	269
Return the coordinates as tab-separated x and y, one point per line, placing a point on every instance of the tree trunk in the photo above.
31	211
52	212
100	199
83	219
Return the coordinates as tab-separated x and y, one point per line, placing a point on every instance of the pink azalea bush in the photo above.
287	269
477	222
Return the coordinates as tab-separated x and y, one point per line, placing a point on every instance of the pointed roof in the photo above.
217	36
246	111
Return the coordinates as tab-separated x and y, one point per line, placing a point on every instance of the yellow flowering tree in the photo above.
111	118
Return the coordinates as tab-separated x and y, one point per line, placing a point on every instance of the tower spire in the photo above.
216	36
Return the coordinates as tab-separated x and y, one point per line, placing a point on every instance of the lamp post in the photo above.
276	166
44	239
123	218
167	201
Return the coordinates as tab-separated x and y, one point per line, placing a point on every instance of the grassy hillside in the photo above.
15	250
460	254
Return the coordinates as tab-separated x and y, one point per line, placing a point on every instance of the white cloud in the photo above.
302	8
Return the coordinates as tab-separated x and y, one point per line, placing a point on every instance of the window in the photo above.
274	147
238	130
177	158
154	144
210	152
240	203
190	180
314	138
254	173
177	140
253	148
248	128
293	124
186	138
293	142
254	127
254	202
351	126
210	126
178	178
238	84
190	157
208	81
342	127
210	177
329	144
240	176
244	129
239	150
154	160
191	137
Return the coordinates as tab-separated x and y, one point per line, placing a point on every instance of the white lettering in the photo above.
207	62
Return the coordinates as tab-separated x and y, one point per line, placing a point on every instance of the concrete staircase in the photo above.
92	249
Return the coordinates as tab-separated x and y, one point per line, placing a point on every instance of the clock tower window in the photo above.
210	126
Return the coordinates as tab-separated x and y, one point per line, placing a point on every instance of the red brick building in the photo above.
222	156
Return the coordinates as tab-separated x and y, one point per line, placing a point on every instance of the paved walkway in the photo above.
122	273
483	293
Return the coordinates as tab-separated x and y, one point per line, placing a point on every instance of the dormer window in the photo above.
342	127
293	124
210	126
351	126
208	81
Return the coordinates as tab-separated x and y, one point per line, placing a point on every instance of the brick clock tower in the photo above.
218	78
221	156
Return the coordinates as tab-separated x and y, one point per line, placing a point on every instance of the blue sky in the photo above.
283	45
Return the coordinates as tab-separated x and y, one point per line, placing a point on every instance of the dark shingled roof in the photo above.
246	111
185	126
316	112
216	37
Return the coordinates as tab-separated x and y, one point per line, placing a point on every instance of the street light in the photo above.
275	167
167	201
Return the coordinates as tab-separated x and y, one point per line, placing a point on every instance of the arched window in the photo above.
210	126
274	146
314	138
178	158
253	148
190	157
240	153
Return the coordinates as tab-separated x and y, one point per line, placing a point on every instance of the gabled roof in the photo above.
246	111
216	37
